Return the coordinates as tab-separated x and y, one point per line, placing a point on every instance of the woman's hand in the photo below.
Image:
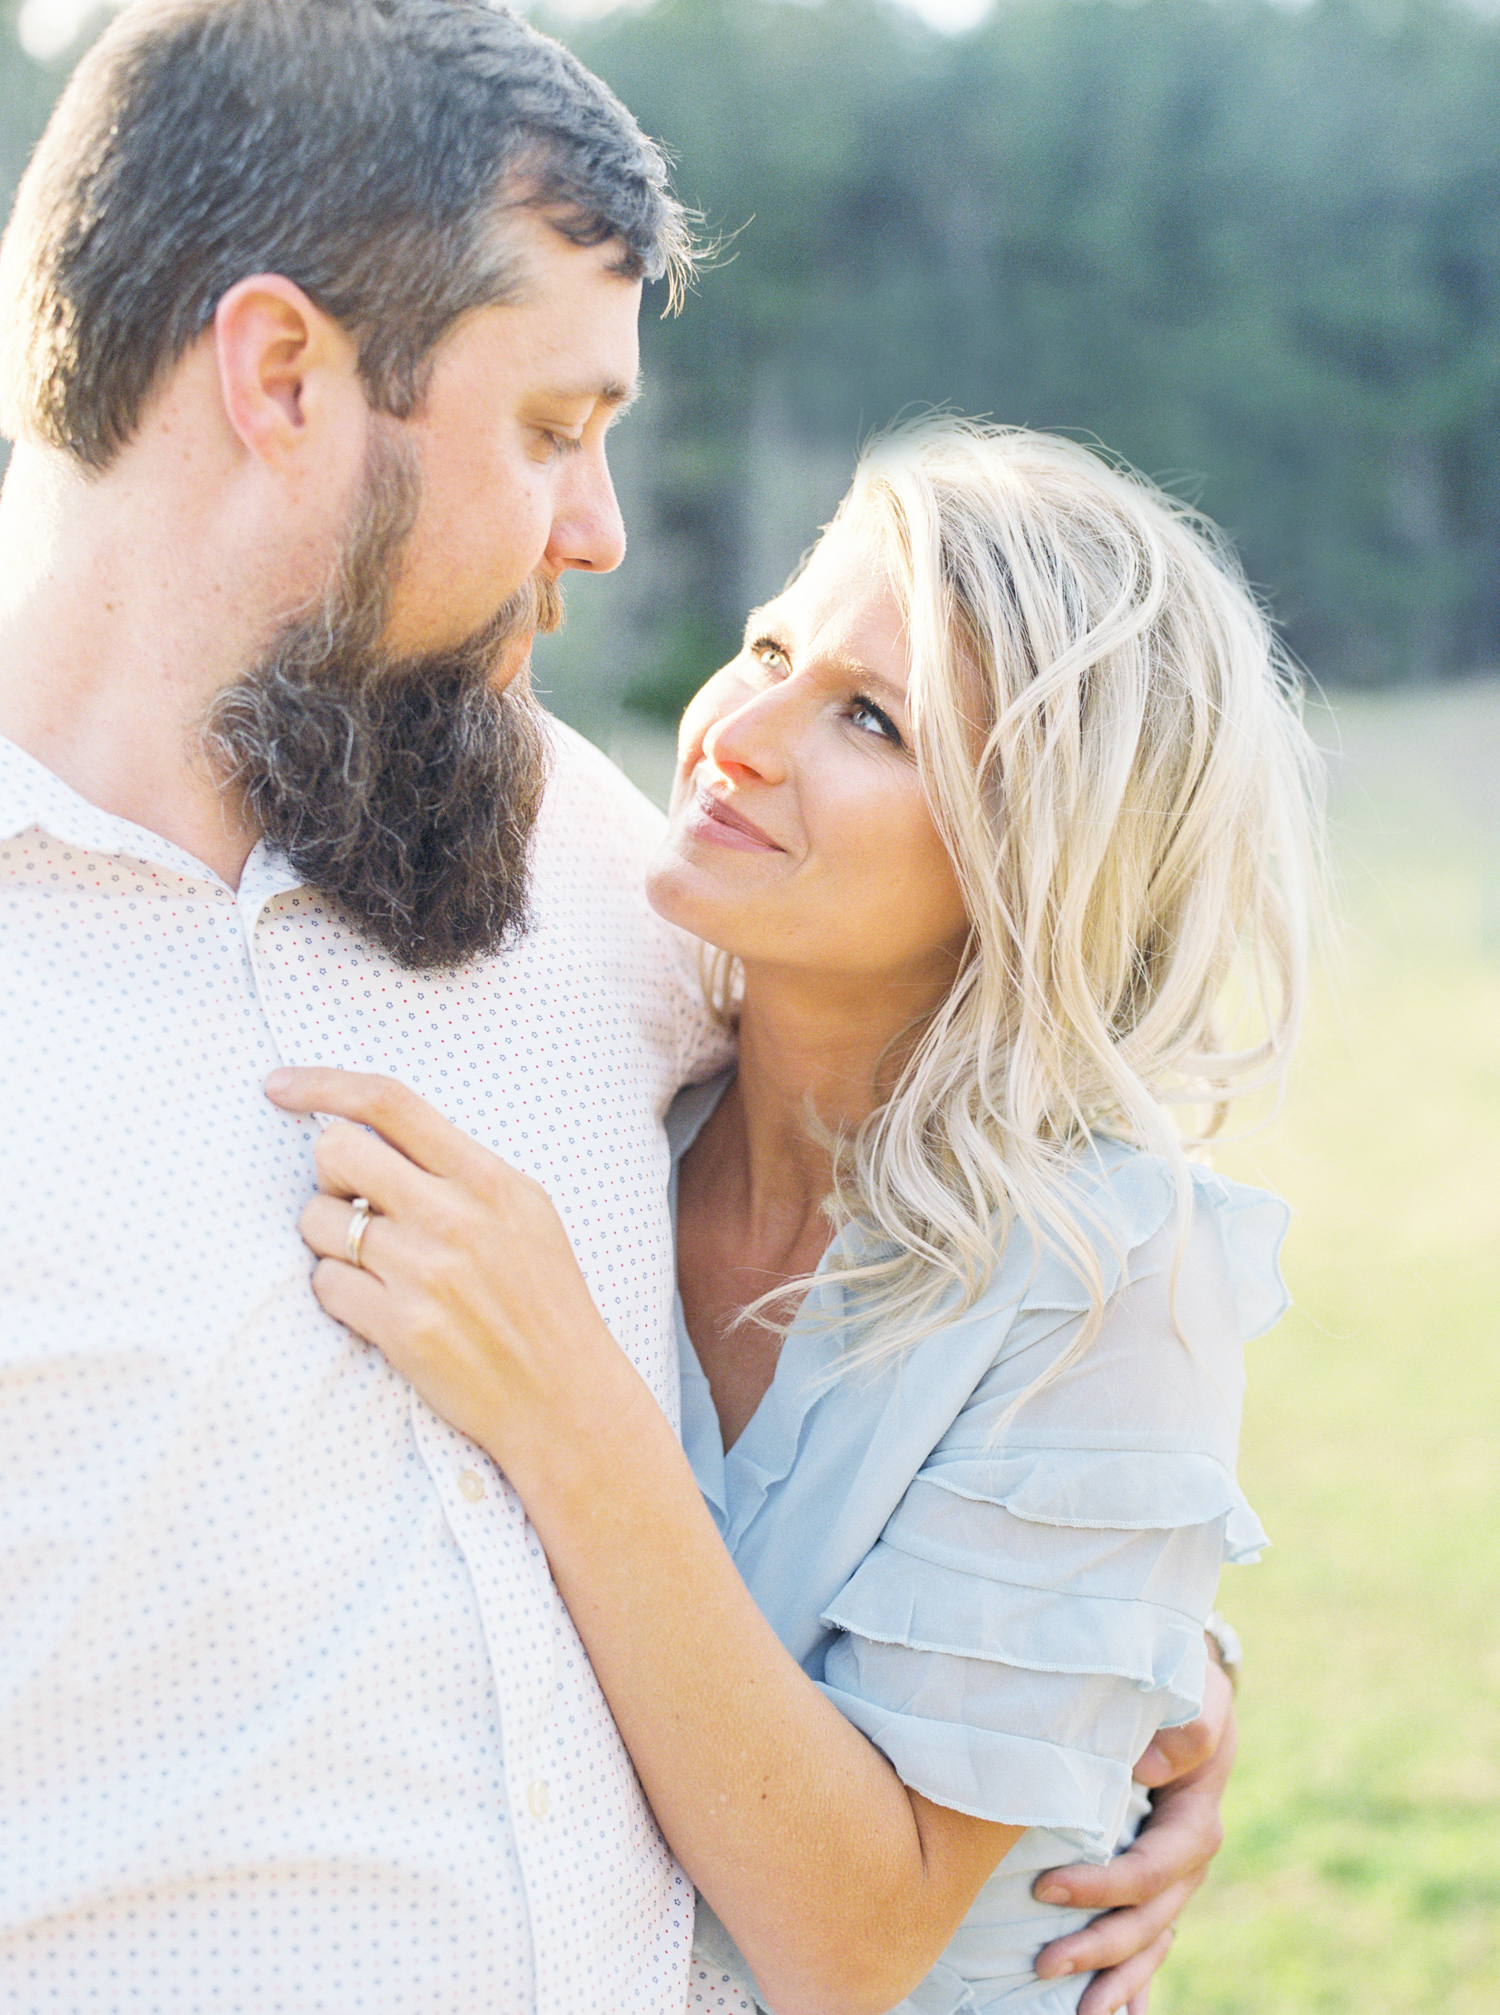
1143	1891
840	1886
466	1281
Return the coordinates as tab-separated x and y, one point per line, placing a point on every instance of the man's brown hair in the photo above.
361	148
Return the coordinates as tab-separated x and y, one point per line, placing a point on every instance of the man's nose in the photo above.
587	528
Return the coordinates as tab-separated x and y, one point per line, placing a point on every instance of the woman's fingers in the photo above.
326	1223
393	1110
414	1165
354	1298
466	1281
389	1300
352	1161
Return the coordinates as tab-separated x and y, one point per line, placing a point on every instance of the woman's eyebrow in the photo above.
858	673
761	622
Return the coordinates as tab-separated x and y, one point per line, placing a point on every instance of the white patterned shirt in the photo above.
291	1715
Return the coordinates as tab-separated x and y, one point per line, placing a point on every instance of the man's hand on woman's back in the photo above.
1143	1891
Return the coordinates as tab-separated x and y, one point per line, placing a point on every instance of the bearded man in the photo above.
316	318
316	315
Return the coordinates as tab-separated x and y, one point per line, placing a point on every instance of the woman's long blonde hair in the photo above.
1111	742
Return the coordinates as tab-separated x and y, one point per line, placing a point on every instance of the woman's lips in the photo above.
709	818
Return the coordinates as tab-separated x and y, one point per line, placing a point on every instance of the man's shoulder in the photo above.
595	837
592	804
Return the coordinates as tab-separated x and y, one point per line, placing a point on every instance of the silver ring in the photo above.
359	1224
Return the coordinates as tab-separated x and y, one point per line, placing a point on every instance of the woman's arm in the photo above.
840	1885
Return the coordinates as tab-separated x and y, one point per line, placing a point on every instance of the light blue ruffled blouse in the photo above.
1009	1610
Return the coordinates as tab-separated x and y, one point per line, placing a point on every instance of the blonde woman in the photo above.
999	800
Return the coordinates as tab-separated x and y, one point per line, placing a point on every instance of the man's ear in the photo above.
285	368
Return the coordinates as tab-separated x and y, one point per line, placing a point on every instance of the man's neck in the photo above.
114	635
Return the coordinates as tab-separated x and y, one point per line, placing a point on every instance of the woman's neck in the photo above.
752	1186
812	1066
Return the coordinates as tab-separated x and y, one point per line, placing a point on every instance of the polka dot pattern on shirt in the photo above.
712	1990
295	1719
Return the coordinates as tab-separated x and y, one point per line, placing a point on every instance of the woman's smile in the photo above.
713	820
801	750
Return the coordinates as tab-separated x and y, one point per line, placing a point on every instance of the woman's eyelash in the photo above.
859	704
767	648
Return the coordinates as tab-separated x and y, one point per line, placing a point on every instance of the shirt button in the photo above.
471	1483
538	1798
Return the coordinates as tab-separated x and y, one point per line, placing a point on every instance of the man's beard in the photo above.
405	790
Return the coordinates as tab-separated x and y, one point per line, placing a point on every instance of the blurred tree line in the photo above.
1252	248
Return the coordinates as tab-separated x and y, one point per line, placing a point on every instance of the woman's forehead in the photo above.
845	591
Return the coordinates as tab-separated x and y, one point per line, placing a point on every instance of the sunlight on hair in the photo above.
1110	738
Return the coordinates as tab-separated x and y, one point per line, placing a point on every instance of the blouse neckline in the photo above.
1129	1191
766	1446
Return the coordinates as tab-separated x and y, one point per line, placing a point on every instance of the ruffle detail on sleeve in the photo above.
945	1992
1155	1648
1029	1619
1015	1780
1126	1196
1252	1225
1111	1489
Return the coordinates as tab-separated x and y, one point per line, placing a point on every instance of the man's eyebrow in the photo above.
611	392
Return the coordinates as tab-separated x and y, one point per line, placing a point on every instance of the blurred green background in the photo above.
1256	250
1362	1870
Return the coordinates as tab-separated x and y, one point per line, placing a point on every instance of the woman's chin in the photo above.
671	893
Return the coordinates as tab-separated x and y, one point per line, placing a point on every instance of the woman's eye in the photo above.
770	654
874	720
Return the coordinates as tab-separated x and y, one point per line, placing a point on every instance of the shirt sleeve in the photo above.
1033	1610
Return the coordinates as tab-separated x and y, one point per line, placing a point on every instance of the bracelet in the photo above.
1227	1649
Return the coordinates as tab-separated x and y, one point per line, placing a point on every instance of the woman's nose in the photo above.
748	742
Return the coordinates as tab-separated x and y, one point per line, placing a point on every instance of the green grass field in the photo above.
1362	1871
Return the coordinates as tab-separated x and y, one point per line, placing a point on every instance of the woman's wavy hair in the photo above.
1111	742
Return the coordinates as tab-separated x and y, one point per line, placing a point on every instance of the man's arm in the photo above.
1144	1890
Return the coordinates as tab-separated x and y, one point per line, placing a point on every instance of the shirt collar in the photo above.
31	795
